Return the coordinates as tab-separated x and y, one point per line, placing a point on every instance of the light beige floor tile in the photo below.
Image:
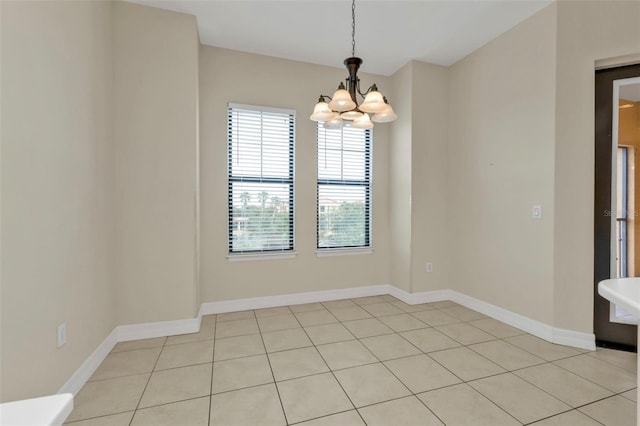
239	327
346	354
541	348
234	408
328	333
370	384
382	309
286	339
139	344
206	333
570	418
389	298
389	346
463	314
464	406
429	339
313	396
185	354
109	396
118	364
626	360
233	316
367	327
369	300
631	395
338	304
443	304
297	363
404	411
412	308
270	312
614	411
121	419
609	376
194	412
350	313
506	355
465	333
519	398
278	322
435	317
348	418
315	317
403	322
239	346
466	364
420	373
240	373
567	387
497	328
177	384
307	307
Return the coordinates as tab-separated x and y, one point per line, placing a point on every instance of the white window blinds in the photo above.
260	148
344	187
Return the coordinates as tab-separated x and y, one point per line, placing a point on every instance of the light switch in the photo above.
536	212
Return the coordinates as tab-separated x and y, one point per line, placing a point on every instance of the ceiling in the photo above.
388	33
630	92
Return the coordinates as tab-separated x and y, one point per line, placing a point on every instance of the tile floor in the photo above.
373	361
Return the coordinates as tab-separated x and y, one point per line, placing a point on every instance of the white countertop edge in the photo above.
624	292
50	410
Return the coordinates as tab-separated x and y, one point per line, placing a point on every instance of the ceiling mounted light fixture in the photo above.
343	105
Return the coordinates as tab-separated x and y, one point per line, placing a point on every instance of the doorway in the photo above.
617	189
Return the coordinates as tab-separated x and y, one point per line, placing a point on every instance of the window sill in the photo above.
250	257
350	251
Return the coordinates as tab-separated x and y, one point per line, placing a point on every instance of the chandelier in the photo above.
343	105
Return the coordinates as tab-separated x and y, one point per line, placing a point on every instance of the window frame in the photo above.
367	183
290	180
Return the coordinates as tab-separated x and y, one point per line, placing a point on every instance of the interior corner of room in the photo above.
114	180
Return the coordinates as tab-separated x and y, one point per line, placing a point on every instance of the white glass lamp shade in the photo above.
334	123
341	101
351	115
322	112
385	116
362	122
373	102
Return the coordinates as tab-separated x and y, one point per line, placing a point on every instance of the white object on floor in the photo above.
624	292
48	410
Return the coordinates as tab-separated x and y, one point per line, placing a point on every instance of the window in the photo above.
260	147
344	187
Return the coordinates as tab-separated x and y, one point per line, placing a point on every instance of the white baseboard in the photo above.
90	365
150	330
539	329
292	299
192	325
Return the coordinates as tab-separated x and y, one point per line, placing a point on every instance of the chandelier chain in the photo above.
353	28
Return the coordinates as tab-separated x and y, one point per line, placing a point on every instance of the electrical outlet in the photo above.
429	267
62	334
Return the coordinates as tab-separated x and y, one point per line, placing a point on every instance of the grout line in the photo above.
148	380
273	376
213	358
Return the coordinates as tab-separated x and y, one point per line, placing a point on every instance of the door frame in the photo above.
608	334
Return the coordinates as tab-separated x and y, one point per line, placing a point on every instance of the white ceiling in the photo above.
630	92
388	33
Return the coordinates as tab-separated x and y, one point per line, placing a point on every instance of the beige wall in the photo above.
156	159
400	178
418	177
230	76
587	31
430	146
56	192
500	163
